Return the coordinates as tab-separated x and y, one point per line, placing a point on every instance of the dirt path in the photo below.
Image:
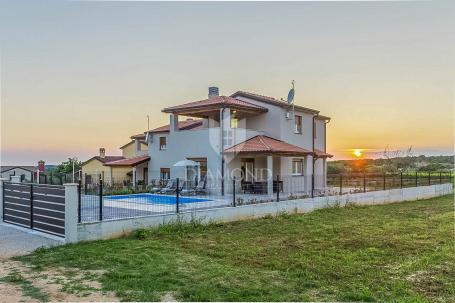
19	283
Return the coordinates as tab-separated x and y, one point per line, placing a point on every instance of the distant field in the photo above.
402	252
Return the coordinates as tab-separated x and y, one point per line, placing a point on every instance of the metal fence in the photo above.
100	201
35	206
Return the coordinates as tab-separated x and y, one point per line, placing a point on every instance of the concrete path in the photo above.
16	241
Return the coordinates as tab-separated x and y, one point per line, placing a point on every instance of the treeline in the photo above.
392	165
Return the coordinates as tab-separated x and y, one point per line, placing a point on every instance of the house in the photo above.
246	136
130	167
27	173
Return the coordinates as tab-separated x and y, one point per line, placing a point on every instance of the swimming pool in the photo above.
154	199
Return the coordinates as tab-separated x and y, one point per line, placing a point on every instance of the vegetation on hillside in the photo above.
399	252
66	167
392	165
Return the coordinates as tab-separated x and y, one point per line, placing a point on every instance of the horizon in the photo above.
77	76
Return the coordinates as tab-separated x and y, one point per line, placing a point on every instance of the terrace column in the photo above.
173	123
111	176
134	175
324	167
308	167
270	175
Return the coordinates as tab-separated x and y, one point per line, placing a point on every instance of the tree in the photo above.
66	167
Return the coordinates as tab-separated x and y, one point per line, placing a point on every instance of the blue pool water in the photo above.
155	199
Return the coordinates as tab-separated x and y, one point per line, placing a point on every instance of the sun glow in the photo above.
358	153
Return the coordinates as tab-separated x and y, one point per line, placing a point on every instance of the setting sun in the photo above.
358	153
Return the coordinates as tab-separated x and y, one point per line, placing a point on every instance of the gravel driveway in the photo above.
17	241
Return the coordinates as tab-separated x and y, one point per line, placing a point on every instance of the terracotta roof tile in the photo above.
215	101
129	161
264	144
183	125
272	100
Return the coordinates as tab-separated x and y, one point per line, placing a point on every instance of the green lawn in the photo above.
401	252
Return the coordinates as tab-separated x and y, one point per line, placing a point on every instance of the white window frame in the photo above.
300	161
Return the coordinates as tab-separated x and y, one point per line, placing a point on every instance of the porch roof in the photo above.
321	154
212	106
267	145
129	162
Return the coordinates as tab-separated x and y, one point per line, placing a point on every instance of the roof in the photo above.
183	125
321	154
273	101
138	136
215	102
128	162
265	144
321	117
24	167
105	159
125	145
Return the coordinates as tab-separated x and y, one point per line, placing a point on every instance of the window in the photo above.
298	124
234	122
162	143
165	173
297	167
248	170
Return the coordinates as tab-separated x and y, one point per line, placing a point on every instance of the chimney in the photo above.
41	167
102	153
213	91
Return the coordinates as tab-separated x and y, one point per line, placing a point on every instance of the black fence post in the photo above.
101	198
312	185
177	197
364	183
79	189
450	177
341	184
440	177
277	188
85	184
429	178
417	181
401	179
383	187
233	192
31	205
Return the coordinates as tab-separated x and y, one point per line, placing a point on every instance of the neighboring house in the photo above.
130	167
244	135
27	173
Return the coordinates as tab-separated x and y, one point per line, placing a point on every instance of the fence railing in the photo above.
99	201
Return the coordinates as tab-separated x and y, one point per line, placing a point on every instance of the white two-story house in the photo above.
245	136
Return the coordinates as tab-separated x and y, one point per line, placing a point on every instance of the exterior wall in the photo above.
116	228
95	166
119	174
180	145
132	150
129	151
319	141
17	172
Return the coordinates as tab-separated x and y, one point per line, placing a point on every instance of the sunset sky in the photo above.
76	76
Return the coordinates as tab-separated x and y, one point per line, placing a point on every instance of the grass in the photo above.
26	286
396	252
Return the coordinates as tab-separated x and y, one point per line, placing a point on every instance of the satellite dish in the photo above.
291	94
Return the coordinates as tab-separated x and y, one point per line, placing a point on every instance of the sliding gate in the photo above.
35	206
